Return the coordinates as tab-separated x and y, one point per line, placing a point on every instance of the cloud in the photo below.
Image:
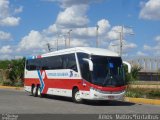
157	38
34	40
10	21
80	43
74	16
4	8
18	10
140	53
6	49
126	46
154	50
74	13
104	26
69	3
5	36
114	33
6	17
147	47
150	10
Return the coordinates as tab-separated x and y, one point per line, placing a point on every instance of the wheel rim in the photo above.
77	96
34	91
39	92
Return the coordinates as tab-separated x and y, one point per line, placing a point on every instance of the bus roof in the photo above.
88	50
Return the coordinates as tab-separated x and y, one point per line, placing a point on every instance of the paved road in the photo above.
18	102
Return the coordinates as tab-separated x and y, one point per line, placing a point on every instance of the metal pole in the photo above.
69	34
49	47
121	40
57	43
97	41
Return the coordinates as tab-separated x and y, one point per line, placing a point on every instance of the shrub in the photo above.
13	72
133	76
7	83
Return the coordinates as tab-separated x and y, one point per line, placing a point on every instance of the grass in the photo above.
143	93
146	83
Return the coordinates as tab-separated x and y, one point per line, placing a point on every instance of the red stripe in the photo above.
69	84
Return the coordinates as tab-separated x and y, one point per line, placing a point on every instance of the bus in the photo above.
80	73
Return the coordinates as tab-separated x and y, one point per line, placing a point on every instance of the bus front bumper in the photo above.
103	95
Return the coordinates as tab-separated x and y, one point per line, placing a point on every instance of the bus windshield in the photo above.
107	71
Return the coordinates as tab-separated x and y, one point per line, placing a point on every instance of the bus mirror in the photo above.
128	66
89	62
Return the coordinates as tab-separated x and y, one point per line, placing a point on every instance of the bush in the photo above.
133	76
7	83
13	72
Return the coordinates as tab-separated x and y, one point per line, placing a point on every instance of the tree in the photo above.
16	72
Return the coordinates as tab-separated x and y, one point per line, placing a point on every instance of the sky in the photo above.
26	26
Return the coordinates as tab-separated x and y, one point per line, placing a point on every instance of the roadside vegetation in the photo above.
132	79
11	72
143	93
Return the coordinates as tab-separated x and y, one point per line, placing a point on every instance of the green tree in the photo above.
133	76
16	71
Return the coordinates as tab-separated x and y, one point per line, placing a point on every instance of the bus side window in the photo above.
69	62
31	65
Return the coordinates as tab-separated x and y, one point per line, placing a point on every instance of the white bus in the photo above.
80	73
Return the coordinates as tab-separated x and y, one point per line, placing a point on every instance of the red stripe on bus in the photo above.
69	84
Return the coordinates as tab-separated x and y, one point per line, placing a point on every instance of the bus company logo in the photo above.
71	74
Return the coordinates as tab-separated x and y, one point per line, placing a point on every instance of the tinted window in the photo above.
69	62
84	67
33	64
55	62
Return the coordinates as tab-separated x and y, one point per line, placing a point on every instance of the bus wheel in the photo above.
39	94
76	96
35	91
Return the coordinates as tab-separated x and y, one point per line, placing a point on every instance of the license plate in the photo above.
111	97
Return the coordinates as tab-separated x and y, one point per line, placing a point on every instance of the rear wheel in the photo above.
35	92
76	96
39	94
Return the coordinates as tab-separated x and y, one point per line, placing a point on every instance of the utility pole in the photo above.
97	33
121	37
121	41
69	35
65	40
49	47
57	43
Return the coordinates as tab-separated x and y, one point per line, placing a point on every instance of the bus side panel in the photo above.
63	87
30	78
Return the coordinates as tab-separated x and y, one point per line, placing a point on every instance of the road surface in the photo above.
20	102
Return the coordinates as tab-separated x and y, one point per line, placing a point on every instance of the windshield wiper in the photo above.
108	79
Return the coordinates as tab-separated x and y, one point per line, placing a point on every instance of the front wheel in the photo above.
76	96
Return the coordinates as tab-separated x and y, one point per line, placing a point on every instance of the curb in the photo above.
10	87
143	100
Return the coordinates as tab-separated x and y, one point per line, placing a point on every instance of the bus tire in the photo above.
39	94
32	90
76	96
35	91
